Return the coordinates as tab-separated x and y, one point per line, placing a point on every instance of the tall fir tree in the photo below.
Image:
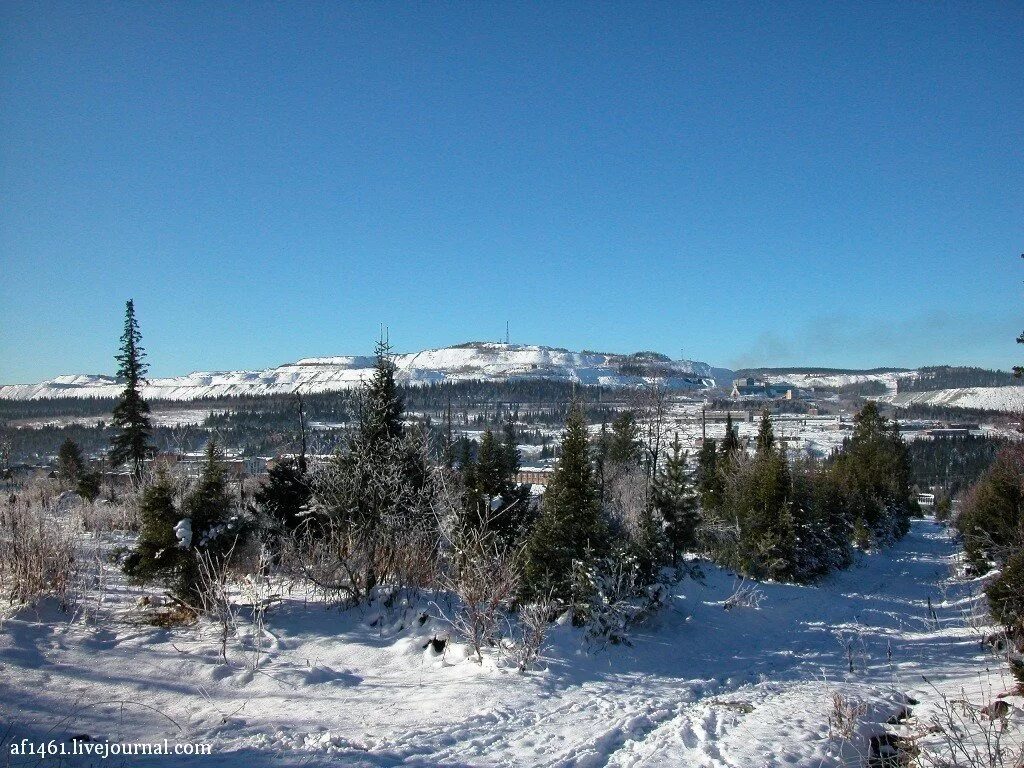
765	434
131	412
571	526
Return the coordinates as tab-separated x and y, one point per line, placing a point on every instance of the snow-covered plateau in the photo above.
980	398
804	676
485	361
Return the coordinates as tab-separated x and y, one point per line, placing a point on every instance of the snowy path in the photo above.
700	686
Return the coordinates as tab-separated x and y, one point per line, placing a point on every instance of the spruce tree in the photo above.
770	530
708	479
765	434
284	496
159	554
131	413
209	504
380	419
625	446
875	469
675	499
170	539
70	465
571	526
731	442
375	493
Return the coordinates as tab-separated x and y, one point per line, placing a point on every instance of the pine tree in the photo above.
765	434
159	554
730	443
675	500
708	479
874	466
571	527
171	538
510	449
209	505
625	446
131	413
770	531
70	465
375	493
284	496
381	405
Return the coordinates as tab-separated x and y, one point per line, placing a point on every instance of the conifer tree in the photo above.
381	406
708	480
171	538
770	529
571	527
131	412
625	445
209	504
159	554
674	498
70	464
730	443
875	469
765	434
375	493
285	495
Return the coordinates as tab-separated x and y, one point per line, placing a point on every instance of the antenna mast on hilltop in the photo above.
506	333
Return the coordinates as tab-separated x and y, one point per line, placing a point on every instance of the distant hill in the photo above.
483	361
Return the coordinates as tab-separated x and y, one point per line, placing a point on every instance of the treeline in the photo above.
952	463
768	516
955	377
991	522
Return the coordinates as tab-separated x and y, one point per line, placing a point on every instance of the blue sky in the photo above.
743	183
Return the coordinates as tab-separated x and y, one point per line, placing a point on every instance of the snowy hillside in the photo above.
982	398
479	361
812	380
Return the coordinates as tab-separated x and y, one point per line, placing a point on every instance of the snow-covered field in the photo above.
700	685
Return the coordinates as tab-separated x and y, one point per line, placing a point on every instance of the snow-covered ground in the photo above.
700	685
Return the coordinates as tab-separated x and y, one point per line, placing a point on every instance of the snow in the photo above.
483	361
183	533
836	380
982	398
700	686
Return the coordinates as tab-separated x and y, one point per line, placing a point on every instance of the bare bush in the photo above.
37	554
485	576
745	594
962	733
256	589
529	634
346	562
214	599
846	716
